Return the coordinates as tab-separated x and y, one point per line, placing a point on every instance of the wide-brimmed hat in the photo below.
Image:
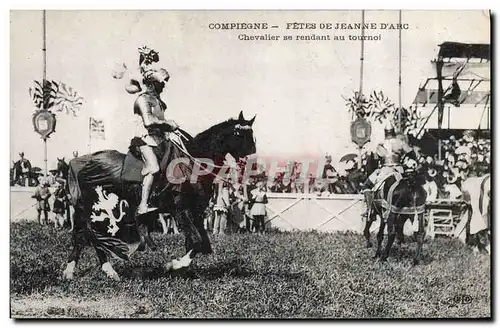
60	181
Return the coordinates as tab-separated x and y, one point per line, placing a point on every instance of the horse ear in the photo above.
63	159
252	120
240	117
58	159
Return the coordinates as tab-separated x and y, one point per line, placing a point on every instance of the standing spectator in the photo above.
452	186
60	200
430	185
248	189
221	206
22	170
236	215
42	195
258	211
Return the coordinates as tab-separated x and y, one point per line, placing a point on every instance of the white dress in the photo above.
222	202
258	208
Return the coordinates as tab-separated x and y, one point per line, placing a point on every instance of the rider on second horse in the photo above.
391	150
153	126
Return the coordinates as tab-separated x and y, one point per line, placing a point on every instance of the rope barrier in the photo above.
28	208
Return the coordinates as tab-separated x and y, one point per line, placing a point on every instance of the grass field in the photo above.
276	275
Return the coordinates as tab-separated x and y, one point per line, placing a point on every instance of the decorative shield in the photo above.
361	131
44	123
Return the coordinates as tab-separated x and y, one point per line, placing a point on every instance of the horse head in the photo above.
234	137
241	141
62	167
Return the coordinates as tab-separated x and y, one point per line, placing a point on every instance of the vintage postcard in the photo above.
250	164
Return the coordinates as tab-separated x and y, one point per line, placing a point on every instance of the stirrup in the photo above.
148	210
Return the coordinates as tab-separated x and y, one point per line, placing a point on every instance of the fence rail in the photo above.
288	212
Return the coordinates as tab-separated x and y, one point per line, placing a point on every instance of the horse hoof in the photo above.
383	259
416	262
67	275
169	267
114	277
376	255
369	245
176	265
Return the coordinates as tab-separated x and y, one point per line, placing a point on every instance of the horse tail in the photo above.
72	184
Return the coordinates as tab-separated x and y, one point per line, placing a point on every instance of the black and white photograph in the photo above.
250	164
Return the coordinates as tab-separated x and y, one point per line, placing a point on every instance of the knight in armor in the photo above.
152	127
391	151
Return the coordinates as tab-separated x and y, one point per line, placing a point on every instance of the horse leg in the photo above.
420	239
79	242
196	239
400	233
380	237
216	223
161	219
106	266
366	232
391	235
223	222
149	239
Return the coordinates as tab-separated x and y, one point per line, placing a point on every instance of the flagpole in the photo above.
362	58
44	50
90	135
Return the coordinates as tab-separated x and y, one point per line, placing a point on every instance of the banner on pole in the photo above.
96	127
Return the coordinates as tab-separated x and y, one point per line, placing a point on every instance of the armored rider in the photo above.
391	150
152	126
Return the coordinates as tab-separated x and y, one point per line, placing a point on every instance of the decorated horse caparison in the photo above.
105	190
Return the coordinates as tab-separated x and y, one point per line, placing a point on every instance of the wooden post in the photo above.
359	157
362	53
44	50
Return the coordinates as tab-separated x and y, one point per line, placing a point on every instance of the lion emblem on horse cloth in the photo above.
105	205
108	178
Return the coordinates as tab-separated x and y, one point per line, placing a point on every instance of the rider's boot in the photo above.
147	184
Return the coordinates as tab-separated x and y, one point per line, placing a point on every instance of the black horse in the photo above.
399	198
62	169
105	189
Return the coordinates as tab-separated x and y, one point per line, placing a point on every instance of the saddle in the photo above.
132	167
165	153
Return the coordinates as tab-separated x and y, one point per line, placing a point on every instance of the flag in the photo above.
96	128
67	100
57	96
43	95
